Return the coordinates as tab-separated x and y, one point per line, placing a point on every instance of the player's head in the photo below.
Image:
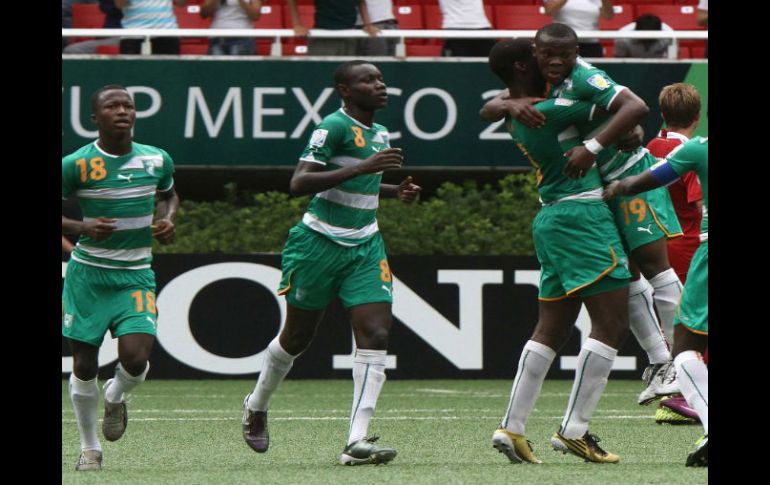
112	109
510	60
360	83
556	49
679	105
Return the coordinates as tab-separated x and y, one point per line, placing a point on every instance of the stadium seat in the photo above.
653	2
189	17
294	47
679	17
624	14
271	17
86	16
194	49
109	50
306	16
428	50
432	17
409	16
520	17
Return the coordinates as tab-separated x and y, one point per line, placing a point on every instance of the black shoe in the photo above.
255	428
699	457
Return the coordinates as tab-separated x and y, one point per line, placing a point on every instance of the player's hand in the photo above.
387	159
580	161
612	190
100	228
631	140
407	191
522	110
164	231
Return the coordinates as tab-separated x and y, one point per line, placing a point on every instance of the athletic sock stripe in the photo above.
695	386
577	392
513	392
363	388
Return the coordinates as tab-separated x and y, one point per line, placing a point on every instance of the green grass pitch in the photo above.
189	432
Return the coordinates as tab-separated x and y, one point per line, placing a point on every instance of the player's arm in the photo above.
166	208
299	29
628	110
521	109
660	174
311	177
98	229
406	191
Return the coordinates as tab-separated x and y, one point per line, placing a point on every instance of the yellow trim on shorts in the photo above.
669	236
696	332
284	291
571	292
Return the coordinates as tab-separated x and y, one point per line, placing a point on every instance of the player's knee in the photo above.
134	365
85	369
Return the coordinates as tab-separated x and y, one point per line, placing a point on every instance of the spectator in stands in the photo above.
703	19
232	14
329	15
581	15
112	20
374	16
149	14
465	15
644	47
66	19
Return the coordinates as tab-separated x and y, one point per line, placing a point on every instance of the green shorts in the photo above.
579	250
645	217
95	300
316	269
693	309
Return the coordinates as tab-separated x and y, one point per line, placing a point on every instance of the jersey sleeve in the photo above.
596	86
685	157
68	177
167	179
323	143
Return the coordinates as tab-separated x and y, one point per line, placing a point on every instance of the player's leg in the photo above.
84	394
609	327
553	329
652	260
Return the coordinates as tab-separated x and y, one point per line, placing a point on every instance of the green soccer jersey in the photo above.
121	187
347	213
545	147
693	155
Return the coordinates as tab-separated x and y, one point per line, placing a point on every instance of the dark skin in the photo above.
684	338
362	94
114	116
556	318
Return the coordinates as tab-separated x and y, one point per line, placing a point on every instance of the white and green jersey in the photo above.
693	155
121	187
347	213
587	83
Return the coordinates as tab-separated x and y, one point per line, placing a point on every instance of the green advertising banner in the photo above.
259	113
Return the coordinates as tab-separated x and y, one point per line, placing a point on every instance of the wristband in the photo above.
593	146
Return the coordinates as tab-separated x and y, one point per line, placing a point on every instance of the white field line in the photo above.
380	418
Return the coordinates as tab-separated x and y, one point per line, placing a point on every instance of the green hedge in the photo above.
457	220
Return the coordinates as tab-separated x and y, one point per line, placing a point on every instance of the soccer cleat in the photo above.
89	460
365	452
659	381
699	457
664	415
115	418
515	446
255	428
678	405
585	447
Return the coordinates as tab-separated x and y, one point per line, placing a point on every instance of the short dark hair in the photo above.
505	53
557	30
648	21
343	72
98	92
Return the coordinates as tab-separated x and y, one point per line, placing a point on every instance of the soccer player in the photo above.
109	284
582	262
647	221
337	250
691	320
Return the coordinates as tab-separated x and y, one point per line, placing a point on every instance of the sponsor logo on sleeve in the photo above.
318	138
599	82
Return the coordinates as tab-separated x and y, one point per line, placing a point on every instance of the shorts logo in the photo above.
318	138
647	229
389	290
299	295
154	324
67	320
599	82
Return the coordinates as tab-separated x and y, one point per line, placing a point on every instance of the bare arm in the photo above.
299	29
368	27
252	8
97	229
66	245
520	109
606	11
406	191
166	207
121	4
702	17
553	6
631	185
311	178
209	7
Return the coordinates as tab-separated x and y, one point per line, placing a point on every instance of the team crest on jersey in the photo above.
381	137
599	82
67	320
318	138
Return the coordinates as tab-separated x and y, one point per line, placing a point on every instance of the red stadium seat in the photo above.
110	50
294	47
306	16
194	49
653	2
520	17
624	14
189	17
86	16
428	50
409	16
271	17
679	17
432	17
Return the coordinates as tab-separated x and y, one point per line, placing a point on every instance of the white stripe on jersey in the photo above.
91	263
116	254
629	163
125	223
344	232
357	201
114	193
344	161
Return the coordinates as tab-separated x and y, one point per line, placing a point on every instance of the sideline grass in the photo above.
189	432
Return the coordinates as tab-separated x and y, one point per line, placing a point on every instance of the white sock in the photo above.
123	383
668	290
534	362
276	365
693	377
85	398
644	322
368	379
593	366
